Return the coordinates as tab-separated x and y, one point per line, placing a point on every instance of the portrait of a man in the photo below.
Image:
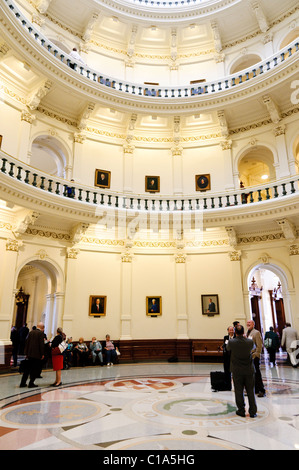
97	305
210	305
152	184
154	306
202	182
102	178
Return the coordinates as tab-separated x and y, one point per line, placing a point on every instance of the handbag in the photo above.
62	346
56	351
268	343
24	366
117	352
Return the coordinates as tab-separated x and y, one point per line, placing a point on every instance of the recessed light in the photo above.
264	177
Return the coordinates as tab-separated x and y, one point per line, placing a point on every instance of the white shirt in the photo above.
77	57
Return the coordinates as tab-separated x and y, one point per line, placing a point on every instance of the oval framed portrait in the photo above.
203	182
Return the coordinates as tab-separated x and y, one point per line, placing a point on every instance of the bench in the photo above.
207	348
116	344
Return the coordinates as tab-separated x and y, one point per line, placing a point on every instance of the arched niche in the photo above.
48	154
256	166
244	62
296	152
60	44
290	37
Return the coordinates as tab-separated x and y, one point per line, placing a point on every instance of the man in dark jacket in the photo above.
34	351
243	371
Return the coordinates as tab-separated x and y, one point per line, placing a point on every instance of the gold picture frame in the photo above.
210	305
154	305
102	178
152	184
203	182
97	305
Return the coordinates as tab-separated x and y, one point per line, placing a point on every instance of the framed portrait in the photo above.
210	305
152	184
154	306
97	305
203	182
102	179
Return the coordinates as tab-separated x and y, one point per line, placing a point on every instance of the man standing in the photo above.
243	371
34	351
256	337
289	342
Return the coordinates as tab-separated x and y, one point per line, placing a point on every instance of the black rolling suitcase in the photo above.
220	382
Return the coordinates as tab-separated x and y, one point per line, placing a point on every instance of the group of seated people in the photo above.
80	354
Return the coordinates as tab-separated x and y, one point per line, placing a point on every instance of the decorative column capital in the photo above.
279	130
226	144
128	149
235	255
126	257
180	258
177	151
294	250
72	253
27	117
13	245
79	138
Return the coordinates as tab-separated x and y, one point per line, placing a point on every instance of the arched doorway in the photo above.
41	280
256	166
268	298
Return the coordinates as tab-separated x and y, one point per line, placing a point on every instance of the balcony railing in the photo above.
155	92
12	168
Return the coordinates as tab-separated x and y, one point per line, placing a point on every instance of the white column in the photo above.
32	310
58	310
70	297
240	300
177	164
128	158
293	298
8	266
228	164
283	170
126	296
49	327
24	152
77	163
181	295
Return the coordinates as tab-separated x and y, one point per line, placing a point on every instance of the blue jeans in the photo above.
110	355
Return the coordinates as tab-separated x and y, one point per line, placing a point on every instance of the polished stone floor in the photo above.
152	406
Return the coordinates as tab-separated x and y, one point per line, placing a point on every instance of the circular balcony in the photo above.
233	87
23	184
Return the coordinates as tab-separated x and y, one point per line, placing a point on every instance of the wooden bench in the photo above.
207	348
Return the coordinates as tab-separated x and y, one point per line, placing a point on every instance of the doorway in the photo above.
267	305
39	280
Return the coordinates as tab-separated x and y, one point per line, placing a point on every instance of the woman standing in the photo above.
57	356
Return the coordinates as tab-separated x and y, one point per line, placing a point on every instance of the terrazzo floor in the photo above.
149	407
